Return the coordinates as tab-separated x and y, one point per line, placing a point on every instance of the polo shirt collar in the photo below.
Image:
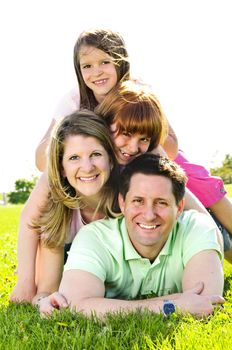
129	250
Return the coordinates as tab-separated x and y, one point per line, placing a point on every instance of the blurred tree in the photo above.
224	171
23	188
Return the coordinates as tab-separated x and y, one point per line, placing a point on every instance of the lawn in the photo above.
22	328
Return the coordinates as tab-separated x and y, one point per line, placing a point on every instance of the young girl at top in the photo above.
101	61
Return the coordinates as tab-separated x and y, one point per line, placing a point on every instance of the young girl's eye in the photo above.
126	133
86	66
106	62
146	139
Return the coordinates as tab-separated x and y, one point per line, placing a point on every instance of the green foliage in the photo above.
9	217
228	188
224	171
22	191
22	328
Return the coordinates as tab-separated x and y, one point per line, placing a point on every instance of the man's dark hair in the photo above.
152	164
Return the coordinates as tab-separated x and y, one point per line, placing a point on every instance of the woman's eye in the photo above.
86	66
74	157
106	62
96	154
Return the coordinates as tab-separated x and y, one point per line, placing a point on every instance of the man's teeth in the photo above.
88	179
149	227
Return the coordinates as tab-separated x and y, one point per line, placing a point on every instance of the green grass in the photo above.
22	328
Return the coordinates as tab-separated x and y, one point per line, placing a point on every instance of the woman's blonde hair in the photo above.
54	222
134	108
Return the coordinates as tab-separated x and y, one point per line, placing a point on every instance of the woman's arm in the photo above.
49	272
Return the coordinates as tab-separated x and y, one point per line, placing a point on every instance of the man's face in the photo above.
150	212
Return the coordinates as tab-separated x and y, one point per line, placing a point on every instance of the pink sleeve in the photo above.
76	224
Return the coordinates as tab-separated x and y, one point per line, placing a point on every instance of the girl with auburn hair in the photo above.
131	108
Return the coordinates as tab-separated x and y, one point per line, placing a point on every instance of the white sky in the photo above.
181	47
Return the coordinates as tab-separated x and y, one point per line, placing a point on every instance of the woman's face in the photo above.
127	145
86	164
98	71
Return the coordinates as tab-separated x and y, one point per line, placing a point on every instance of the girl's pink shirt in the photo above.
208	189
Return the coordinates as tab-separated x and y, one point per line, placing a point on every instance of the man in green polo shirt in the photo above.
155	257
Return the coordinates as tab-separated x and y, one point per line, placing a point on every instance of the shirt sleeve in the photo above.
88	253
68	104
200	234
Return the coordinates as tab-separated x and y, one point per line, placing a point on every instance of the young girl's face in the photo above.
128	145
98	71
86	164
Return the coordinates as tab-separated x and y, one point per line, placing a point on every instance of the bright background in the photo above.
181	47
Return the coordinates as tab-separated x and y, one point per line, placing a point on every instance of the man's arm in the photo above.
84	292
204	266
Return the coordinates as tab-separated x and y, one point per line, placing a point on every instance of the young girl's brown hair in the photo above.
111	43
134	108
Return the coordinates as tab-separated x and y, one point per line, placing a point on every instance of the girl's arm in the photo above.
171	144
192	202
69	103
25	289
40	153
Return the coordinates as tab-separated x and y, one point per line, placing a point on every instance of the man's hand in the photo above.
55	301
199	305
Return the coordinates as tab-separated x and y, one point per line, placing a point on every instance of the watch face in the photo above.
168	308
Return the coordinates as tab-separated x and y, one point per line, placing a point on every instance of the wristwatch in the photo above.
168	307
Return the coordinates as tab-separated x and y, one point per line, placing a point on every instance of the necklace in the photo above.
83	221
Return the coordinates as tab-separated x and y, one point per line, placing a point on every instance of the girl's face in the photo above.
127	145
86	164
98	71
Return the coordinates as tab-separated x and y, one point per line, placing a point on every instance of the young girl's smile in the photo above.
98	71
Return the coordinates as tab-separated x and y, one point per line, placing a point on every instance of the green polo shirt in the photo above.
104	249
